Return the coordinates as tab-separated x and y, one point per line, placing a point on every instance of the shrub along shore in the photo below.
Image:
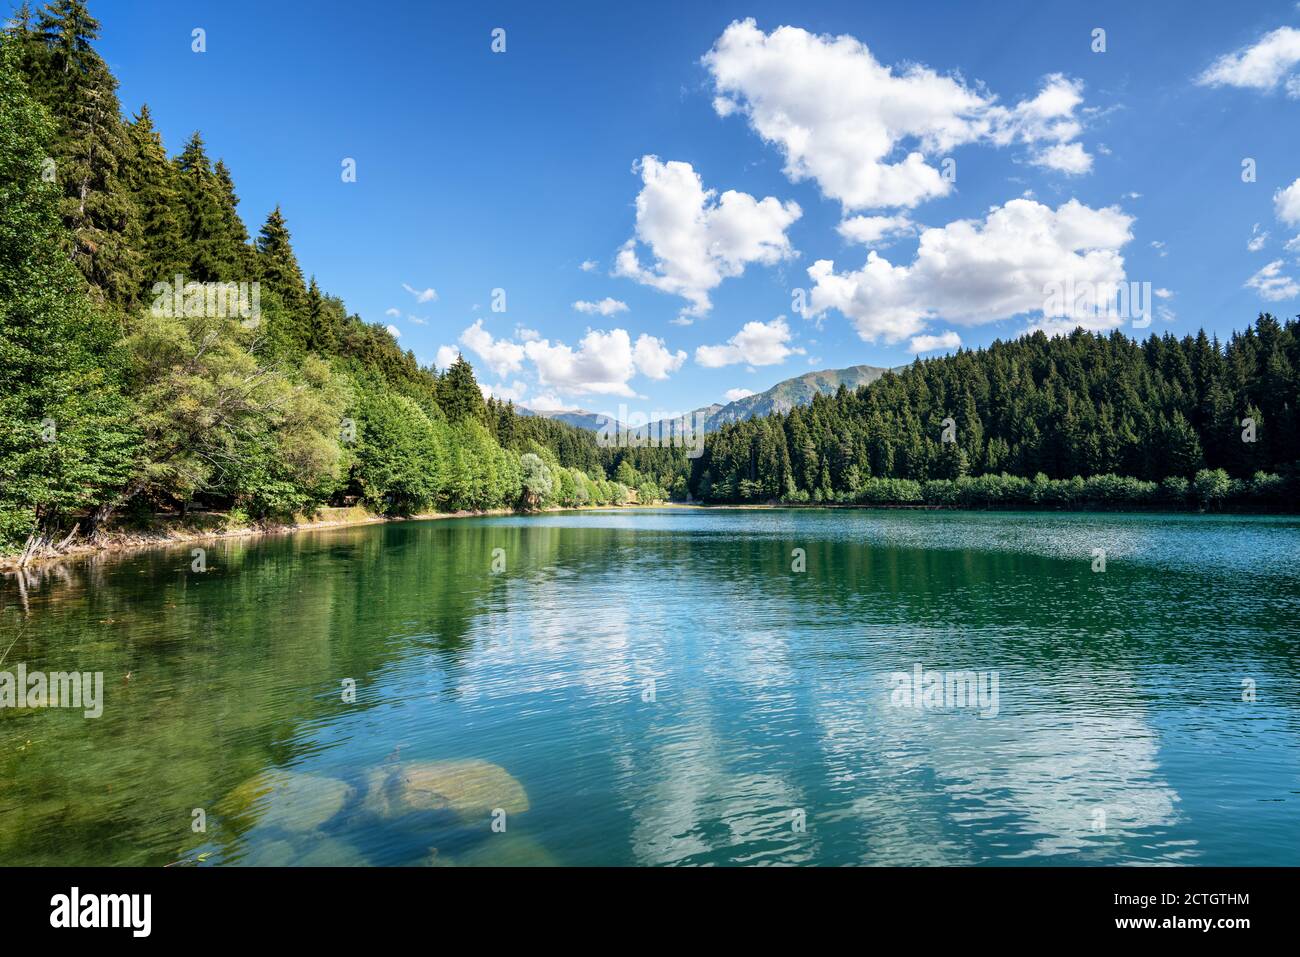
1209	490
1212	490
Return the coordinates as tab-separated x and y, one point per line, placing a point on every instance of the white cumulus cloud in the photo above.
926	343
1286	202
869	230
605	307
734	395
421	295
513	392
603	363
756	344
653	359
1260	66
697	238
502	356
978	271
868	132
1272	285
1065	157
548	402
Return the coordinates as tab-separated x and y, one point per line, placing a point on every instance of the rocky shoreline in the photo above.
121	541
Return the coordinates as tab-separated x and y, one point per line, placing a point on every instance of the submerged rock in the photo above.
435	859
272	854
327	852
507	850
286	800
471	789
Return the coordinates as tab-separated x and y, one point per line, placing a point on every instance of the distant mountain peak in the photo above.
595	421
788	393
782	397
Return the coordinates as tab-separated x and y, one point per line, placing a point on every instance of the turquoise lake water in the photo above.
671	687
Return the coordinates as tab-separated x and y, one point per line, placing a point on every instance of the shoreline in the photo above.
124	542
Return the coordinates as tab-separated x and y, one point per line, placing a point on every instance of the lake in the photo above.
671	686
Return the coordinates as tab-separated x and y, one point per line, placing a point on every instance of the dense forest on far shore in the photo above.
1081	420
251	390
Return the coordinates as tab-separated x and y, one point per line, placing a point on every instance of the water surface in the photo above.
661	687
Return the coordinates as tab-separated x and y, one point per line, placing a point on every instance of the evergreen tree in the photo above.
236	253
151	180
90	151
459	394
278	268
207	251
1075	408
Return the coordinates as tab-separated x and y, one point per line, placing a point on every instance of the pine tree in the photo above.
459	394
25	42
151	180
237	255
278	268
1182	447
320	329
90	151
206	250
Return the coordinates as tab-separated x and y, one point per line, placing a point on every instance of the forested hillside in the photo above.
1184	421
247	388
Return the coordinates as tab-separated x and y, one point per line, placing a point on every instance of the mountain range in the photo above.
782	397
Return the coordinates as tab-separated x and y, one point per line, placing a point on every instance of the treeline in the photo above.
243	386
1041	421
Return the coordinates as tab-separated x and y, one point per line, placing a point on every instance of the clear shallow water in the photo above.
1118	693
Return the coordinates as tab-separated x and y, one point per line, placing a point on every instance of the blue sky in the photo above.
479	171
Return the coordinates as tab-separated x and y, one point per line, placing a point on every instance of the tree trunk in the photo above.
102	513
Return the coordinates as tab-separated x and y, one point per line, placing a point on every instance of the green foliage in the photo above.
1212	486
536	480
152	181
212	237
218	420
66	431
401	460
